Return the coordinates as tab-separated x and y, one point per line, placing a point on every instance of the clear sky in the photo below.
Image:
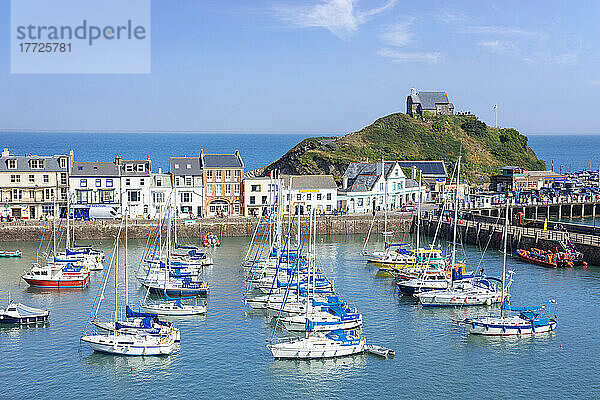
329	66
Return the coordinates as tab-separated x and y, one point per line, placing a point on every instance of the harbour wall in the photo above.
485	234
222	227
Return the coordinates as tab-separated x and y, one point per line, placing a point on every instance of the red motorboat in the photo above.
58	276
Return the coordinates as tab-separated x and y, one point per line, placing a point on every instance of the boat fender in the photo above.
465	300
504	329
487	327
488	302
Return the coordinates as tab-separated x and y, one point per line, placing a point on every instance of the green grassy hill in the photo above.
402	137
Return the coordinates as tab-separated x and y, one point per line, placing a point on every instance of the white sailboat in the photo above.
117	342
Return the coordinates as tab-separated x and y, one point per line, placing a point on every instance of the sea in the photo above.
567	152
222	355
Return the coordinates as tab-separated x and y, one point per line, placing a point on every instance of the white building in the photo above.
160	193
187	178
106	189
368	187
259	193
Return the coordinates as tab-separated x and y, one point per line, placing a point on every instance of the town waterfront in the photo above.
223	354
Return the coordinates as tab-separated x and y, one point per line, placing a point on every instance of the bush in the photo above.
474	127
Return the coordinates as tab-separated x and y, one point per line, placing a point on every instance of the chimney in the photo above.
414	173
118	160
5	152
159	170
413	91
345	182
379	168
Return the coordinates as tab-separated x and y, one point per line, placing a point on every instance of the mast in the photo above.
68	240
54	227
175	224
116	280
419	212
504	258
455	213
125	267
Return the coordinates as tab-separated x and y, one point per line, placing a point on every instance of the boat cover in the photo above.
135	314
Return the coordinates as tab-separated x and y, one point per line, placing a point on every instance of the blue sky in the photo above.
329	66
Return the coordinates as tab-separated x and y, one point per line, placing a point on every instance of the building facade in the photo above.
31	186
259	194
135	183
160	193
223	176
95	190
370	187
436	103
304	193
188	186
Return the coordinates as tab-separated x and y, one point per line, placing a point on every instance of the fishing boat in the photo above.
56	276
8	253
20	314
336	343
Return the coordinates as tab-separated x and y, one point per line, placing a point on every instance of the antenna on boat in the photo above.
455	212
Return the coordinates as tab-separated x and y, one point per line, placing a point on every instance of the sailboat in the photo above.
118	342
175	306
465	292
528	321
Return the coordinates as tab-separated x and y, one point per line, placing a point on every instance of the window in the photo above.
209	175
46	178
98	182
12	164
219	175
264	200
106	196
32	194
186	197
127	181
31	178
141	167
158	197
142	181
381	186
37	164
227	190
129	167
255	188
189	166
219	190
15	179
329	196
63	162
237	175
177	181
396	173
158	181
209	189
328	207
299	196
109	183
63	178
16	194
49	194
236	189
176	166
228	176
252	200
319	196
359	202
287	197
47	209
188	181
83	183
236	208
133	196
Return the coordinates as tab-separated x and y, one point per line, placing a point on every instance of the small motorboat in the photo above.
6	253
211	240
379	350
20	314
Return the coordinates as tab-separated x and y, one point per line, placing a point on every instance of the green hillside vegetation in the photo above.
402	137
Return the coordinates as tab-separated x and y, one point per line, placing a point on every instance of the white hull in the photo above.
128	345
109	327
171	309
314	348
514	326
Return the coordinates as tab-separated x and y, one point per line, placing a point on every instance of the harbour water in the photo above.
223	354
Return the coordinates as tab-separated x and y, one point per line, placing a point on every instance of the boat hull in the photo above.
8	320
125	348
491	329
59	283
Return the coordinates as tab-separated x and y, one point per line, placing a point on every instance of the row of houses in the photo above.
33	187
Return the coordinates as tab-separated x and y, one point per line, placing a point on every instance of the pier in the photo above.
478	232
542	210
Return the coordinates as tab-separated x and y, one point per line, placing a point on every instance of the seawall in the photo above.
223	227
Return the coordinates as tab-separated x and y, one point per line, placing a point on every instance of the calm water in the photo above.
223	355
570	153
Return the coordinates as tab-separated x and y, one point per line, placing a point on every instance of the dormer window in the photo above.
63	162
140	167
129	168
37	164
12	164
176	166
189	166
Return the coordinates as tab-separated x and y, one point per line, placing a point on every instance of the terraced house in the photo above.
31	186
223	176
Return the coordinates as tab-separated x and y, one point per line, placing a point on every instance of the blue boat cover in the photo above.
180	246
506	306
134	314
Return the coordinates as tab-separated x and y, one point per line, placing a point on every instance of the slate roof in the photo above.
190	166
427	168
363	176
51	163
428	100
94	168
309	182
411	183
222	161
